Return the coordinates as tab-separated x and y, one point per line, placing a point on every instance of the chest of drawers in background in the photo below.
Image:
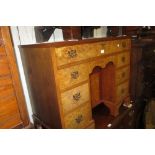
13	111
61	87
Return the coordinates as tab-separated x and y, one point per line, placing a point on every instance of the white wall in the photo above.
25	35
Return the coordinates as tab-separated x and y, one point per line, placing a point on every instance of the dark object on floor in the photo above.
103	119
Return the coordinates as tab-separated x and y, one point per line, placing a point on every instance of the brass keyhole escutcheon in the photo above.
72	54
75	75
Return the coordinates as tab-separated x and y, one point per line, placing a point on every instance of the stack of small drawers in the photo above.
75	63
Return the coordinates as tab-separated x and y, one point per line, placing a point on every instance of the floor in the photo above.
102	116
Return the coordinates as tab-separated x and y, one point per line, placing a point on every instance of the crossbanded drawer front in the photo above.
101	48
123	59
73	98
122	74
4	66
122	91
78	119
70	54
72	75
120	45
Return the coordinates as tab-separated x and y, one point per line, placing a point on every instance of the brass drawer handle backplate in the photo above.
72	54
75	75
79	119
77	96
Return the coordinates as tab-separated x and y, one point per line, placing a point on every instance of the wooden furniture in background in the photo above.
142	65
142	76
113	31
71	32
13	112
62	86
125	119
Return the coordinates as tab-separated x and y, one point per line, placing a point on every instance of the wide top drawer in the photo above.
70	54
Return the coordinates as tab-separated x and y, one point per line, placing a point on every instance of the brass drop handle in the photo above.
123	59
123	74
79	119
77	96
72	54
75	75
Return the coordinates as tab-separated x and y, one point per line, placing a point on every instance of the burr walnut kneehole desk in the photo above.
67	79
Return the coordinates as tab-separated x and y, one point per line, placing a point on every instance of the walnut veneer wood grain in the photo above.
75	97
73	75
63	85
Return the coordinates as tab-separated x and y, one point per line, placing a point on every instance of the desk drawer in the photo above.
122	91
70	54
120	45
101	48
73	75
122	74
79	119
75	97
123	59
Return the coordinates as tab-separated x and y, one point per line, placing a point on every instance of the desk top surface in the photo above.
73	42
